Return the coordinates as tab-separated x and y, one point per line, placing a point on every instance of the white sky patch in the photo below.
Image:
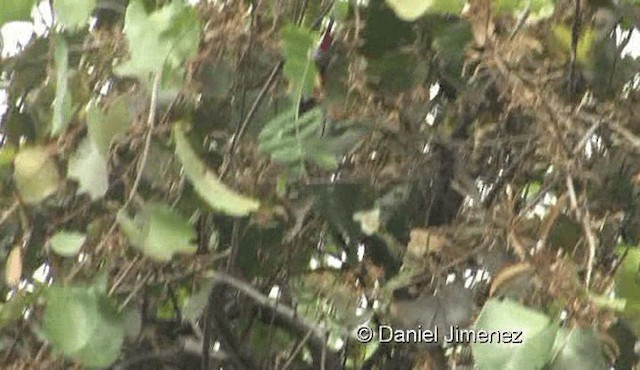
434	89
15	36
274	293
633	47
333	262
42	18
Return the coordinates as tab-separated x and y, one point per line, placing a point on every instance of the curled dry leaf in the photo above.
35	174
425	241
509	277
13	269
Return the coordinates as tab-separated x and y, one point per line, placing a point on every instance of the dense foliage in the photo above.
246	184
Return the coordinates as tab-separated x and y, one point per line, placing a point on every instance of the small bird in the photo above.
322	57
322	54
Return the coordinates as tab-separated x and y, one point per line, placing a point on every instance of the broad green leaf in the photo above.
107	126
578	349
165	37
158	232
131	229
35	174
627	280
446	6
132	322
67	243
15	10
450	41
104	347
299	67
384	32
73	13
507	6
393	72
341	10
11	310
89	167
206	183
607	302
537	337
83	324
167	233
62	102
70	318
410	10
196	303
562	35
7	155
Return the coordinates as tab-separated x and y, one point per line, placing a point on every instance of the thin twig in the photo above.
591	241
147	141
261	299
572	196
626	134
521	21
122	275
243	126
586	137
297	350
143	159
142	282
575	35
6	214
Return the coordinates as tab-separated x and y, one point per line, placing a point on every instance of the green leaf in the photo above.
410	10
7	155
70	318
578	349
131	229
11	310
216	194
83	324
167	36
299	67
627	280
158	232
15	10
167	233
341	10
62	102
507	6
538	9
562	35
104	347
107	126
537	337
89	167
197	302
73	13
67	243
446	7
293	140
35	174
285	125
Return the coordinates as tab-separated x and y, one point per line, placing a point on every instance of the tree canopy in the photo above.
284	184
